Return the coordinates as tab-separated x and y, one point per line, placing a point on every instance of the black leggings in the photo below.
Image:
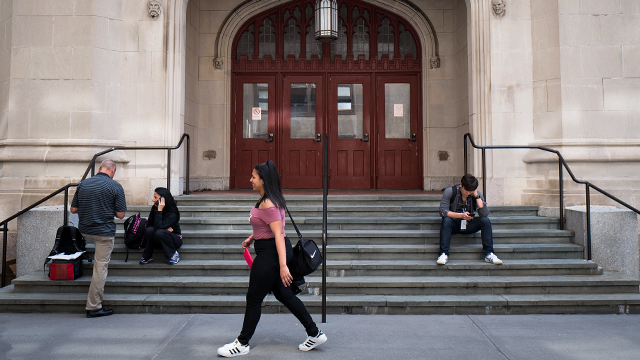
265	277
168	241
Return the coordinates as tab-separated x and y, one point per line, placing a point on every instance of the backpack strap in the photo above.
293	223
55	247
454	192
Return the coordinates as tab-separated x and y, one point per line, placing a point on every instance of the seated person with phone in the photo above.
457	208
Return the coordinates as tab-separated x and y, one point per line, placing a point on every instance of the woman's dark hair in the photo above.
169	203
469	182
269	174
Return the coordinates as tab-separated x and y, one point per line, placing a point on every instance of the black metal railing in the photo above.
561	164
91	168
325	192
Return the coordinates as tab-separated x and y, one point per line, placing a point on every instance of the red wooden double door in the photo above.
372	121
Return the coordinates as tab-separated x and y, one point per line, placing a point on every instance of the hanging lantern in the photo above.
326	20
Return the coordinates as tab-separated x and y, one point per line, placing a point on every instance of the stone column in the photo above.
614	236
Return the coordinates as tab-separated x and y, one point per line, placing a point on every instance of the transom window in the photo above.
363	30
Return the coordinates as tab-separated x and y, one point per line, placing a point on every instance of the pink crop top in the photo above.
260	220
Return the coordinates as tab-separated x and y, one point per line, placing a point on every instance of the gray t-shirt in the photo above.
98	198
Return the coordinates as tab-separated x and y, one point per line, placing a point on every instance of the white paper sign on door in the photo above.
256	113
398	110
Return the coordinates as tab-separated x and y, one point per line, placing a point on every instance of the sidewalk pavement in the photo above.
370	337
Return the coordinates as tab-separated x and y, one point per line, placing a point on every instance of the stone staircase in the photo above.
380	260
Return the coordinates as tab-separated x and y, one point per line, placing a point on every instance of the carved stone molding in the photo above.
434	62
218	63
155	8
498	8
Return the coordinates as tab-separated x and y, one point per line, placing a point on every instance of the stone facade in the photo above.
81	76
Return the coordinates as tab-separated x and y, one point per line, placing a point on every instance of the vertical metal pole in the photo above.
484	173
169	170
188	160
325	192
4	255
93	166
466	169
561	182
66	201
588	223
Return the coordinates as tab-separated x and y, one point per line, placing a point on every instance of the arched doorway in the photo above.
364	90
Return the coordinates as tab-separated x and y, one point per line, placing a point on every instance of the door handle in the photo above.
318	138
413	137
270	138
365	138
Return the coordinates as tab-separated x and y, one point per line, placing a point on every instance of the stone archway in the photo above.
218	67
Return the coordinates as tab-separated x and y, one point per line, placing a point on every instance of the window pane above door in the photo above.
255	108
303	111
397	119
350	111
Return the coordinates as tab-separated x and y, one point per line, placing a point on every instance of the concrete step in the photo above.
607	283
336	304
370	210
250	199
378	237
543	267
364	223
376	252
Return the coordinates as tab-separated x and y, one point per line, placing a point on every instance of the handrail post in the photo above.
188	160
4	254
561	182
465	155
588	222
66	201
169	170
484	173
325	191
93	166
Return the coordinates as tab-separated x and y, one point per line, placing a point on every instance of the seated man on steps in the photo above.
457	209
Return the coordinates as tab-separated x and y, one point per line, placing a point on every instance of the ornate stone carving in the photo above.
499	8
434	62
155	8
217	63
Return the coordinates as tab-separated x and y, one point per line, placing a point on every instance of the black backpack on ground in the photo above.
69	240
134	228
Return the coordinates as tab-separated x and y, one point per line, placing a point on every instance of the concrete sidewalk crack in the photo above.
488	338
173	337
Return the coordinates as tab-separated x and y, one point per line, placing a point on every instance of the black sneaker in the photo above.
144	262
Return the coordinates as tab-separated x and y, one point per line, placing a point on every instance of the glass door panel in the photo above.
397	114
303	111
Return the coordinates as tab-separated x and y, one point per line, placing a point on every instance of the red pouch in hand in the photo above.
248	258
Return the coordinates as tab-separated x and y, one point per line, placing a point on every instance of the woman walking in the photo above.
163	228
269	271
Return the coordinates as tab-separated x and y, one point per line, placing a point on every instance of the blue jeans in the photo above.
451	226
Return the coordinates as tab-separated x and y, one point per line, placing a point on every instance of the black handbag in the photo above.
306	255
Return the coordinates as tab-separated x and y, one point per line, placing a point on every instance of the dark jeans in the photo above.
451	226
168	241
265	277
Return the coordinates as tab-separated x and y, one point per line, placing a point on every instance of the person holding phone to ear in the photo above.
163	228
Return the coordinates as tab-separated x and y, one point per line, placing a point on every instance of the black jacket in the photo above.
164	221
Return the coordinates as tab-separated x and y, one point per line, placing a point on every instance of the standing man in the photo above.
457	208
96	201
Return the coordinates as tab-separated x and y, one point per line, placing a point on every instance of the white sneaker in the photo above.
233	349
313	341
492	258
442	259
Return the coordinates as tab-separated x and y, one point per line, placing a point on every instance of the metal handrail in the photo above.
5	223
561	163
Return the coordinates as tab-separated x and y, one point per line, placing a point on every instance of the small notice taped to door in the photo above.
398	110
256	113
